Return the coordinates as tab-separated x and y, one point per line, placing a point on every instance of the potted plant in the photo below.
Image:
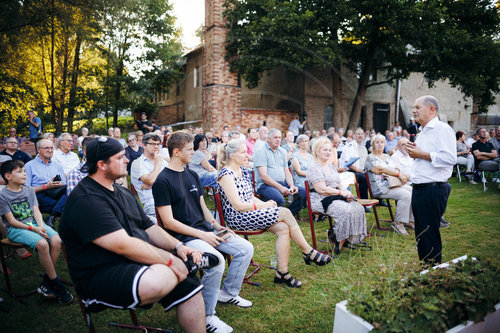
432	301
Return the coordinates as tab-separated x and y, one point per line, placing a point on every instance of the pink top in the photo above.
250	145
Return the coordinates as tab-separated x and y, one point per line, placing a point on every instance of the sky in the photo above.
190	15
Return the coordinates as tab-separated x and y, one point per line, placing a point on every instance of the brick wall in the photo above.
221	106
168	114
273	118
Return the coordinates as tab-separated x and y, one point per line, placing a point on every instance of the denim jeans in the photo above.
272	193
49	205
209	179
242	252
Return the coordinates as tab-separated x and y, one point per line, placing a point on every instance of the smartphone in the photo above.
57	178
223	234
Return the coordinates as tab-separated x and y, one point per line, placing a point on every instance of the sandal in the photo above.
290	282
364	246
319	259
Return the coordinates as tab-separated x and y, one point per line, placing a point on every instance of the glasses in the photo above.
153	144
46	148
12	131
11	142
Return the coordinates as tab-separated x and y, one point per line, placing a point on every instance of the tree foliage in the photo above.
394	37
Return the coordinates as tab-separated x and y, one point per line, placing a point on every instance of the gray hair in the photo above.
272	131
230	148
131	135
85	129
301	138
61	138
430	100
39	143
377	136
232	133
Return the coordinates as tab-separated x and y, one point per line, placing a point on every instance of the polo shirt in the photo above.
38	173
275	161
18	155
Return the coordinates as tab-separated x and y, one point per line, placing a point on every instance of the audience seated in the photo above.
145	170
178	196
76	175
12	134
392	142
139	136
24	223
243	211
273	179
353	150
251	141
328	196
495	140
289	145
200	162
117	135
67	159
42	173
133	150
379	166
402	159
116	255
464	156
263	135
11	149
485	155
85	132
301	159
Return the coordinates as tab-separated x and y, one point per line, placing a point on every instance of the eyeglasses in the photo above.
153	144
12	131
11	142
46	148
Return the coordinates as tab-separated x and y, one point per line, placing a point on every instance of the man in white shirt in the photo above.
435	154
356	149
64	156
401	158
144	171
295	127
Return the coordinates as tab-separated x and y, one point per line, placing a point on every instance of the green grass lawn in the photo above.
474	230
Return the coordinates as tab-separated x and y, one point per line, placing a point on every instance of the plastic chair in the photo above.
245	234
3	256
374	207
88	310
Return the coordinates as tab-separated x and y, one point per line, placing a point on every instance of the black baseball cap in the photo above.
100	149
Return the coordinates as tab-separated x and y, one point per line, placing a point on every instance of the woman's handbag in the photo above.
393	181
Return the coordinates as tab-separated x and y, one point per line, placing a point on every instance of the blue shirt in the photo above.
39	173
275	161
33	131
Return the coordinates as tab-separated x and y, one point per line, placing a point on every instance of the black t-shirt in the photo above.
18	155
486	147
141	126
181	191
93	211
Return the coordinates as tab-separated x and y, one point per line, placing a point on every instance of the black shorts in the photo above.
118	287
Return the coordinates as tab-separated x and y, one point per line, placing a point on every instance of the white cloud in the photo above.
190	15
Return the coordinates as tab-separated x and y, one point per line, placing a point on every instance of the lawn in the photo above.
474	230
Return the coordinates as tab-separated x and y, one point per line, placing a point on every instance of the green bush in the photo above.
432	302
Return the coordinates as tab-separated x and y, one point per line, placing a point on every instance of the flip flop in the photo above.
26	255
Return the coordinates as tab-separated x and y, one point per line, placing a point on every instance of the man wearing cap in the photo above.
435	154
116	255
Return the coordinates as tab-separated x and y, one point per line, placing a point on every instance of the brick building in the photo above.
215	97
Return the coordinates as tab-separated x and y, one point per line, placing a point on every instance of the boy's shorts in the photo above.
30	238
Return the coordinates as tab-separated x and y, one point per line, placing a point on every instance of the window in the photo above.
328	117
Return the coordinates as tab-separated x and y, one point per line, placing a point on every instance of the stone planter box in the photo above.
345	321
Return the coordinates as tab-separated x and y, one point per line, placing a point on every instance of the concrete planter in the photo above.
345	321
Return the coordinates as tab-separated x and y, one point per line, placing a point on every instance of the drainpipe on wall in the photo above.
398	96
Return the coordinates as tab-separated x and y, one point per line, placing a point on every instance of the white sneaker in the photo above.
399	228
235	300
215	325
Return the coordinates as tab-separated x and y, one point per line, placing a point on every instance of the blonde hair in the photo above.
230	148
318	144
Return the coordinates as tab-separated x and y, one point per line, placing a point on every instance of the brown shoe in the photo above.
410	225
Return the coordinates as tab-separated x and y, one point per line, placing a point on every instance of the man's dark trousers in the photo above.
428	203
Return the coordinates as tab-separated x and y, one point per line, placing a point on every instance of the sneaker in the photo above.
399	228
235	300
444	223
208	260
215	325
46	290
63	295
472	182
410	225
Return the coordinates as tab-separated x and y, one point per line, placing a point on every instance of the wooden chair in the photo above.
11	246
311	218
88	310
245	234
375	206
28	147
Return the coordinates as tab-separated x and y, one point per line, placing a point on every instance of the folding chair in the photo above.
88	310
374	207
245	234
311	219
3	256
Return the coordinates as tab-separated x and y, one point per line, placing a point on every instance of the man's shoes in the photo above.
382	203
235	300
444	223
410	225
367	210
63	295
215	325
46	290
472	182
208	260
399	228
